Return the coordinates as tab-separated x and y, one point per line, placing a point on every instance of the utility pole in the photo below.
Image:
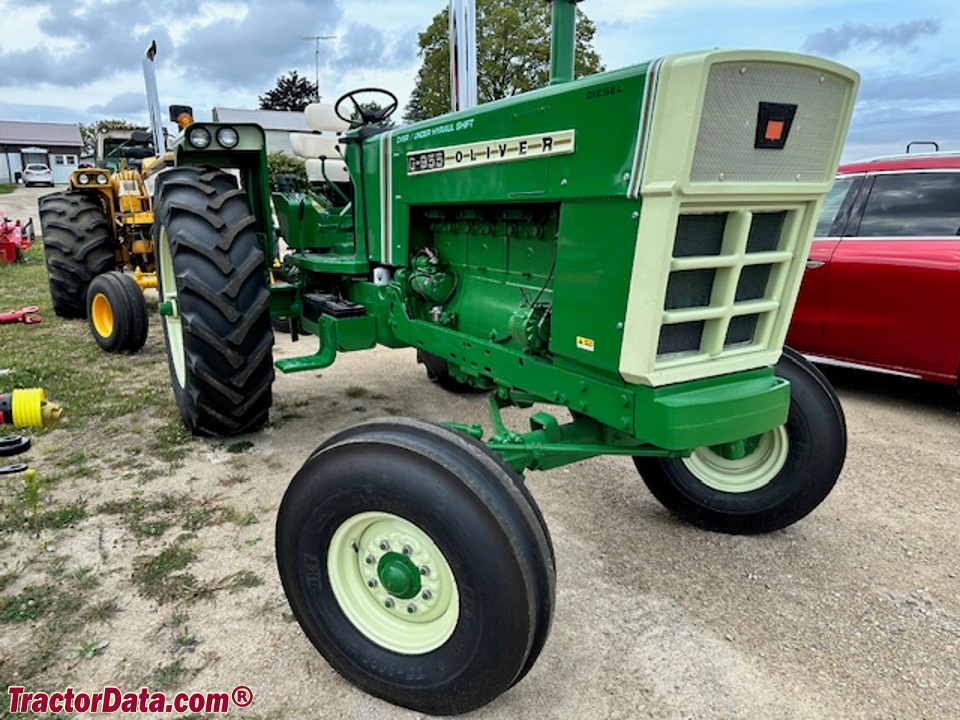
316	39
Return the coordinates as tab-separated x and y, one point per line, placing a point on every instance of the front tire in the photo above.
77	246
784	475
117	312
214	302
417	564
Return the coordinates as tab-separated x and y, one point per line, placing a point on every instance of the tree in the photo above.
292	92
513	54
279	163
371	107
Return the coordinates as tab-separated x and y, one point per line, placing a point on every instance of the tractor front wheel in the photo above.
214	301
117	312
77	246
417	564
763	483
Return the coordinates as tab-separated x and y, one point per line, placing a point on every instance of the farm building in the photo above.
55	144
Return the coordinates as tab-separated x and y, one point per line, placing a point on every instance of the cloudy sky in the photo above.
79	60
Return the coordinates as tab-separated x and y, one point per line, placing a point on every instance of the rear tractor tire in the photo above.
784	475
214	302
117	312
417	564
77	246
438	371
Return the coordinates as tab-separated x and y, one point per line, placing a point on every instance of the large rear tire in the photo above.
77	246
214	302
117	312
783	475
417	564
438	371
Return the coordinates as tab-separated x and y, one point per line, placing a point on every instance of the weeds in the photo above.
157	576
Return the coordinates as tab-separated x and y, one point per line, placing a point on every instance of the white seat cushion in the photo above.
336	171
308	145
320	117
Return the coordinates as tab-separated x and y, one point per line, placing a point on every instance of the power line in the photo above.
902	119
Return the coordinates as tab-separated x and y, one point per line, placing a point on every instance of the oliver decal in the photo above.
524	147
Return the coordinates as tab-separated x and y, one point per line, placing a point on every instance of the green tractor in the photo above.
626	247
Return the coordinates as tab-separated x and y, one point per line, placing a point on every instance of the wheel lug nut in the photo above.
370	560
424	570
388	603
411	608
384	545
407	550
426	595
372	582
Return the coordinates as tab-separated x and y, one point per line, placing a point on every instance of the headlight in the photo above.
102	179
84	179
199	137
228	137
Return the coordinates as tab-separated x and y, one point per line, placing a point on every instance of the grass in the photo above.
158	577
6	188
98	530
96	389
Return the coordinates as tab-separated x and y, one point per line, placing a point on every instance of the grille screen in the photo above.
725	141
723	291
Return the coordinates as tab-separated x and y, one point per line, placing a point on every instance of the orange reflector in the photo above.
774	130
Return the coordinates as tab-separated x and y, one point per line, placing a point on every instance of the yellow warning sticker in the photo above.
585	344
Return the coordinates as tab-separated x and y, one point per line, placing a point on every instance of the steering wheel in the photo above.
367	116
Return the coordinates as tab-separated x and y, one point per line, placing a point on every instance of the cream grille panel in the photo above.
728	273
724	149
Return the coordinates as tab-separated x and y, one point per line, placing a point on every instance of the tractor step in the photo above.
317	304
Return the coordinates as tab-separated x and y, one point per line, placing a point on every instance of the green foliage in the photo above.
157	578
513	54
371	108
291	92
279	163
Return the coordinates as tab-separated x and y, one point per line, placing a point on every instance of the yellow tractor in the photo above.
97	235
94	231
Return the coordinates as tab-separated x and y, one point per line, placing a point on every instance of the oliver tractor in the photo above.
626	248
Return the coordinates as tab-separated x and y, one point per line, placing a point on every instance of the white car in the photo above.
37	174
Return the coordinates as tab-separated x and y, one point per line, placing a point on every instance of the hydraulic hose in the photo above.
28	408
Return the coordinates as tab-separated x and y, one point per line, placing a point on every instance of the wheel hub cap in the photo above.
399	576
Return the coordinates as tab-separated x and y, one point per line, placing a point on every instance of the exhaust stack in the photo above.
563	41
463	54
153	100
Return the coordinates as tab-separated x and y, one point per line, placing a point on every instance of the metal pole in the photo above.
563	41
153	100
463	54
316	58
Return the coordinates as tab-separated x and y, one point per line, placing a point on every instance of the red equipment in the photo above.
15	238
27	316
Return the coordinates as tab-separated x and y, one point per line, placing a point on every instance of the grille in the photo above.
725	141
727	277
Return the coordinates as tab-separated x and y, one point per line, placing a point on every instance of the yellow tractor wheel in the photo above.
117	312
